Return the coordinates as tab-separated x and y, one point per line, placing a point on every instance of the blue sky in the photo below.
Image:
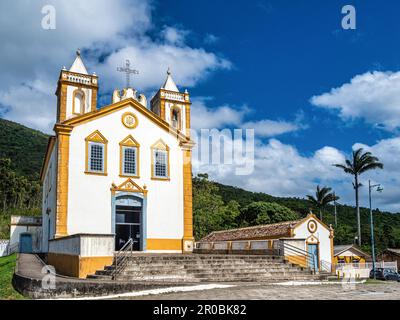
284	52
311	90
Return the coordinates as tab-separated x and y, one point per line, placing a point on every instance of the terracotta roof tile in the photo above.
275	230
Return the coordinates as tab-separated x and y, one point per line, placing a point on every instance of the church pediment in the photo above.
130	142
129	186
96	137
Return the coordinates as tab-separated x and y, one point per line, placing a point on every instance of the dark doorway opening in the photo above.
128	225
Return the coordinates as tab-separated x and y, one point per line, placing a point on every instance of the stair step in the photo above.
132	266
205	268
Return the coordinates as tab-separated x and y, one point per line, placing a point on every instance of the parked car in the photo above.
385	274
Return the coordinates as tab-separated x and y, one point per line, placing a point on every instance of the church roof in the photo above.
276	230
394	251
170	83
268	231
338	250
78	66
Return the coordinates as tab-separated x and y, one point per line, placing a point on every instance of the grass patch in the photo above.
374	281
7	267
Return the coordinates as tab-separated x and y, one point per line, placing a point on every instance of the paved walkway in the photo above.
380	291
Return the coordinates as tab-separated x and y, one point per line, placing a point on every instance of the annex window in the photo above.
129	157
96	154
160	161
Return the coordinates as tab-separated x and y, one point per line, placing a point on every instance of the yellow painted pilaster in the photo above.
94	99
63	134
188	238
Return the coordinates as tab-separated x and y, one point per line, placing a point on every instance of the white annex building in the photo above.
115	173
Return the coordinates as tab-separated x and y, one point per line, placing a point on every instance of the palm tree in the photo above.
361	162
322	198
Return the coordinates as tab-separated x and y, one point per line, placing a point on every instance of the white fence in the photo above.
4	247
362	270
368	265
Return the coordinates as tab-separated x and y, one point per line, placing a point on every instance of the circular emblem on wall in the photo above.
312	226
129	120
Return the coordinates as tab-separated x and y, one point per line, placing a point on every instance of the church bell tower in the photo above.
76	91
172	106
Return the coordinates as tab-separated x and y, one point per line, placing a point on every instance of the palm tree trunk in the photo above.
320	214
358	210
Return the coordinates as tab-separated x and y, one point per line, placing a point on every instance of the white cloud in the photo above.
30	104
174	35
189	65
270	128
110	31
373	96
281	170
210	39
388	152
206	117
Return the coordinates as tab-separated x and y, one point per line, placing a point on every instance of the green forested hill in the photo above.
24	146
216	206
387	225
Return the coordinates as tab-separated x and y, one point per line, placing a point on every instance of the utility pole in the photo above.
379	189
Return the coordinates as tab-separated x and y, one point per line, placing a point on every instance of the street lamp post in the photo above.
379	189
334	203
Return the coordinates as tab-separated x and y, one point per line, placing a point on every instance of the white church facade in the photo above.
116	173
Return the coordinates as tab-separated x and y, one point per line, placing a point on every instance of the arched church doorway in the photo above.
129	222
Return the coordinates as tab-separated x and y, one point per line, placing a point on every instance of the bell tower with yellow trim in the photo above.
172	106
76	91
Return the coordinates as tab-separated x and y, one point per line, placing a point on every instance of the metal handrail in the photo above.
326	266
310	257
13	249
121	259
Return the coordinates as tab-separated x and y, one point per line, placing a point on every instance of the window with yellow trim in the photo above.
96	154
160	161
129	157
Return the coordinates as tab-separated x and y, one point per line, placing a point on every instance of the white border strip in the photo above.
155	292
317	283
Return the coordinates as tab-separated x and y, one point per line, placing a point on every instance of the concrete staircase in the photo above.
206	268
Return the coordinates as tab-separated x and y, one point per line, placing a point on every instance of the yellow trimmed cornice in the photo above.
187	145
129	186
63	129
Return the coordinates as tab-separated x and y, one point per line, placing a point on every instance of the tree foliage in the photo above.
260	212
323	197
210	211
361	162
24	146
